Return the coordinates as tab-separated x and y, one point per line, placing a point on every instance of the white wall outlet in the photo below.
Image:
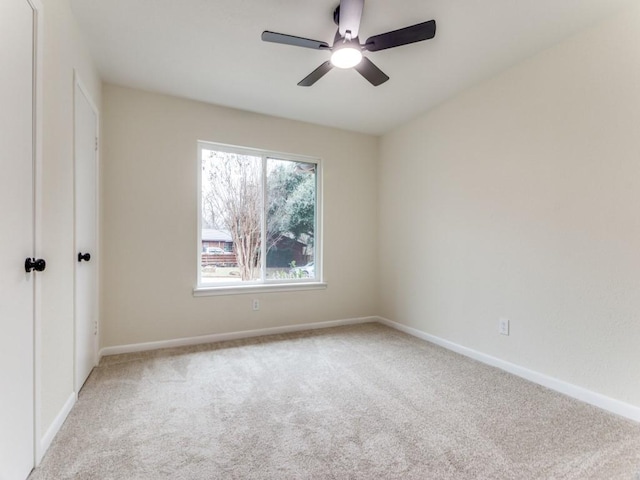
503	326
256	304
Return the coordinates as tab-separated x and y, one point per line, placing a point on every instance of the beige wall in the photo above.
63	51
149	224
520	198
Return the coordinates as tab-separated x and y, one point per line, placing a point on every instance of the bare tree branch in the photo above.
236	198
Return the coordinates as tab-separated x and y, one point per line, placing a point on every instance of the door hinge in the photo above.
96	144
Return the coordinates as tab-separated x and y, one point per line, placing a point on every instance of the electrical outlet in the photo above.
503	326
256	304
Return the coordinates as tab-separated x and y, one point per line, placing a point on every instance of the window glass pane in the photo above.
232	203
290	219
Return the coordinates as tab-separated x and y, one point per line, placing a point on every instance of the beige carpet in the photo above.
360	402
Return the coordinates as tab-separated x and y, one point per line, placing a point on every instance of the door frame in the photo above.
77	82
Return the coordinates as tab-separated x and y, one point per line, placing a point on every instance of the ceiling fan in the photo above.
346	51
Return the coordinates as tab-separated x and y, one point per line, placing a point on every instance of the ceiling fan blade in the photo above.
404	36
295	41
350	15
316	75
368	70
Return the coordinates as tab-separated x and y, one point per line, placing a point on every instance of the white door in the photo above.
86	281
16	239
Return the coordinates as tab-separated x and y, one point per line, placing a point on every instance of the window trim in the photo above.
263	285
257	288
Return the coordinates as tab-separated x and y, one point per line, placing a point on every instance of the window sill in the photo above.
263	288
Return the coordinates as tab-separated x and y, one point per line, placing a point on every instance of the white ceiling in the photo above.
210	50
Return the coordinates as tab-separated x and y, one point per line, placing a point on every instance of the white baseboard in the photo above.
54	428
579	393
220	337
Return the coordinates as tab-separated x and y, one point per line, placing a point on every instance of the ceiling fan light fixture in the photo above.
346	56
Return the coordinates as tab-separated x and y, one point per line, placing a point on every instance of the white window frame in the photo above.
263	285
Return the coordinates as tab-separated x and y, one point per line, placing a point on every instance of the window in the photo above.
259	216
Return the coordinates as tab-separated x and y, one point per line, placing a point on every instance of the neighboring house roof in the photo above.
213	235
